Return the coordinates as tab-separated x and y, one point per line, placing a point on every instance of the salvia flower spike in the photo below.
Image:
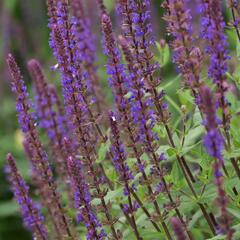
213	31
50	119
178	229
39	157
213	27
118	82
213	142
82	201
123	170
187	57
32	216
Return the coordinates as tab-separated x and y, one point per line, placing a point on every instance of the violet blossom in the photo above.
39	157
32	216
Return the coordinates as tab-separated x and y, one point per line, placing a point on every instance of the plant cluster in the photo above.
134	170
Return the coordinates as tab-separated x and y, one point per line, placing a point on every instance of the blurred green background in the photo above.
23	31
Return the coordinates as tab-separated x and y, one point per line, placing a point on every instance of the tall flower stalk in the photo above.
82	130
40	162
78	106
140	42
33	219
118	83
86	49
146	137
213	142
141	115
70	49
213	32
50	118
82	200
136	20
187	57
123	170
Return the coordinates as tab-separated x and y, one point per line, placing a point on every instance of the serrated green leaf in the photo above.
171	82
232	154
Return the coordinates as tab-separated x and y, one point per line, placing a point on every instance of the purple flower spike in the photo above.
46	100
86	52
178	229
213	141
120	155
39	158
119	158
19	88
115	68
32	217
82	200
213	32
187	57
50	119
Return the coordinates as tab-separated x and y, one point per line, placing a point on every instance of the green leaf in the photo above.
238	49
102	152
176	172
197	233
109	4
197	118
174	104
185	98
170	82
171	151
111	173
159	129
235	212
193	135
209	194
164	54
220	237
152	235
111	195
232	154
187	149
237	231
